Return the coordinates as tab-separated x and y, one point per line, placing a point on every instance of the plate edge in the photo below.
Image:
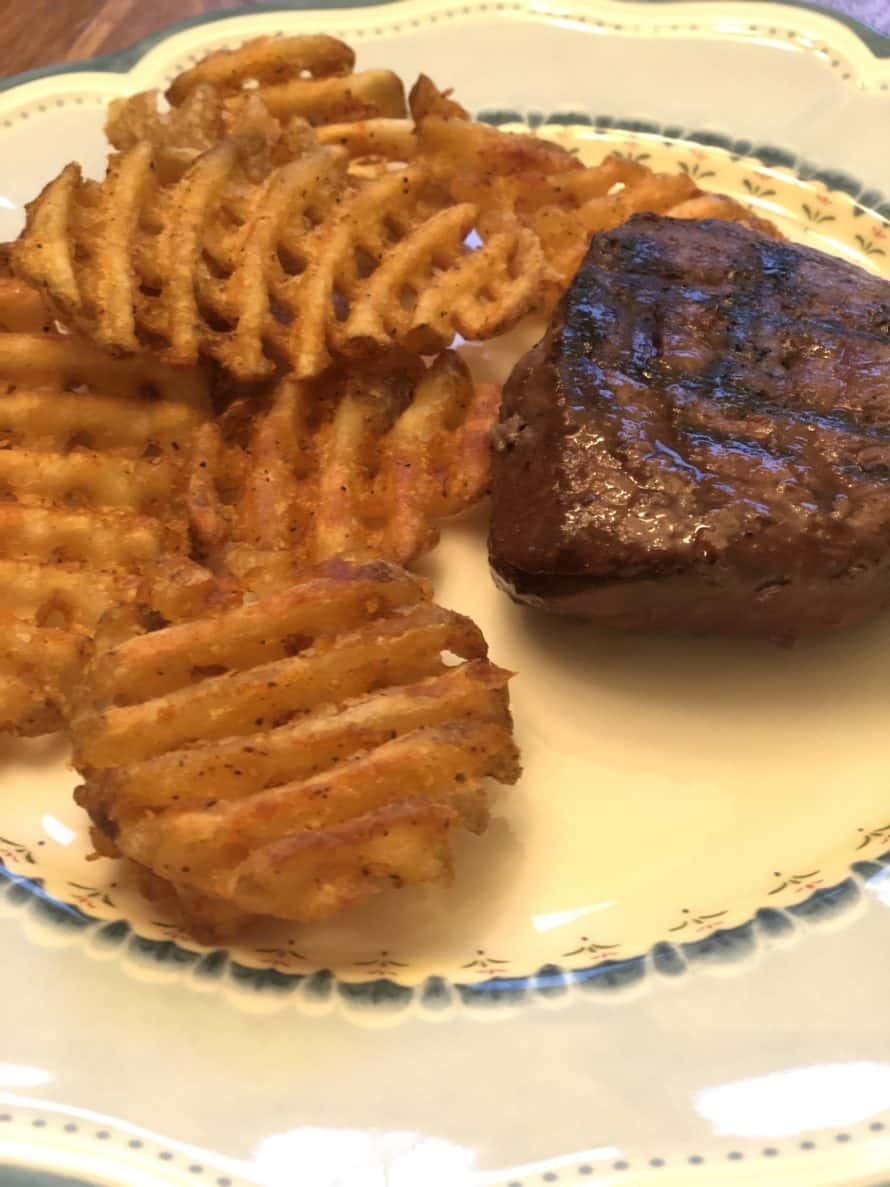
123	60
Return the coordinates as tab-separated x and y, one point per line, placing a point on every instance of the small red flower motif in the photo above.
698	154
823	199
880	233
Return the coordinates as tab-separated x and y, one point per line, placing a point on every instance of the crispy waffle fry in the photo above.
372	140
244	259
426	99
189	262
22	310
725	209
92	453
368	94
296	755
393	268
306	76
309	77
34	661
358	463
551	193
265	61
194	126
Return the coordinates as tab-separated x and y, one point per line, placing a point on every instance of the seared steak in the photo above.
701	440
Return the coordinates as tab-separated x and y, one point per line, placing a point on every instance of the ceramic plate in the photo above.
667	961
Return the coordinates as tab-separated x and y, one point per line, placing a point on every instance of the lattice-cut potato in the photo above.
22	309
308	77
256	254
362	462
296	755
551	193
94	532
401	264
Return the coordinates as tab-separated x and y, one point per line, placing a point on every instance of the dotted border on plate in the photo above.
780	34
145	1148
382	999
149	1151
867	199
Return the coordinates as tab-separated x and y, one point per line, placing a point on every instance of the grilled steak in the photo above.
701	440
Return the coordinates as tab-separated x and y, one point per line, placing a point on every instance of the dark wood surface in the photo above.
38	32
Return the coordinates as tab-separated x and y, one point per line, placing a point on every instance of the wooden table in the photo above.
37	32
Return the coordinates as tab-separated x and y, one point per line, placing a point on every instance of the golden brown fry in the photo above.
359	463
195	126
63	364
296	755
309	77
562	202
249	260
267	695
425	99
265	61
305	77
725	209
263	285
83	478
92	508
67	596
370	94
202	261
428	761
382	139
303	747
340	597
36	662
58	535
22	310
393	268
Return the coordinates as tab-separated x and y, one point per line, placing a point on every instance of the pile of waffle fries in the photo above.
231	412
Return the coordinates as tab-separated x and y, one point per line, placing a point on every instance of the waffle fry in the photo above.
309	77
176	261
550	192
249	261
22	309
393	268
372	140
360	463
306	76
265	61
426	99
194	126
296	755
724	209
368	94
92	459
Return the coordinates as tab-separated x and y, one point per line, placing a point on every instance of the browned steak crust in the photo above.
701	440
